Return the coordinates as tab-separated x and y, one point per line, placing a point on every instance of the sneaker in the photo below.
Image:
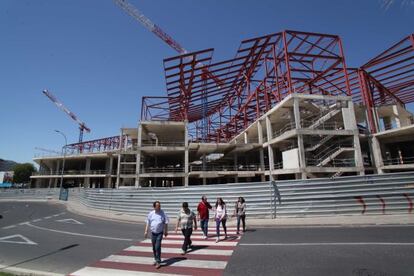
158	265
205	237
225	237
237	233
183	252
154	263
217	240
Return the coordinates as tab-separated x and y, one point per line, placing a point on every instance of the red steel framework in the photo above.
98	145
264	71
388	78
231	94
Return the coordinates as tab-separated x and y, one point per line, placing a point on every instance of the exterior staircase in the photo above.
332	154
324	118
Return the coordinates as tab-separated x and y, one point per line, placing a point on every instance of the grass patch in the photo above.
6	274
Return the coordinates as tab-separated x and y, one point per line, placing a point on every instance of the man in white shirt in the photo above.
157	221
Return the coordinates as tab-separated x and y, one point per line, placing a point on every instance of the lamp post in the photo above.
63	163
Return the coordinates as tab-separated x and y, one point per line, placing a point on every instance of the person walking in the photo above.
157	221
203	215
185	220
240	212
221	217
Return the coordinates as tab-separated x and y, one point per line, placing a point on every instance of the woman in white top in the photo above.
220	216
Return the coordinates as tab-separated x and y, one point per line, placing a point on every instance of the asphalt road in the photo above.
362	251
58	241
55	240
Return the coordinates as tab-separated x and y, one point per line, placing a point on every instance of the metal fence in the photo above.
139	201
356	195
370	194
29	194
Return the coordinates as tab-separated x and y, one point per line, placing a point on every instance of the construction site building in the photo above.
286	107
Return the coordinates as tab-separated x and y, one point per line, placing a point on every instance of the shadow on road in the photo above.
171	261
41	256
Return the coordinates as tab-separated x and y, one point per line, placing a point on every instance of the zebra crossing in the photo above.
206	257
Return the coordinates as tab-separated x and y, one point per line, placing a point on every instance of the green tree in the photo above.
22	172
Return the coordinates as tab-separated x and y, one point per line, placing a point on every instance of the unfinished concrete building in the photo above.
285	107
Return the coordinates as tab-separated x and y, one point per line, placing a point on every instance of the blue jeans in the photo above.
223	222
204	226
156	246
243	219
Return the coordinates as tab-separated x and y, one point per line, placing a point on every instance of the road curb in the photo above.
27	272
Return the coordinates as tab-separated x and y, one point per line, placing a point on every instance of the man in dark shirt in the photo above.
203	215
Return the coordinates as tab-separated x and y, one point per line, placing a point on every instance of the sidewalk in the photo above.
339	220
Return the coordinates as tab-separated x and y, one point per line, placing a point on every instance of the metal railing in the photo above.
399	161
162	144
306	124
329	150
162	169
336	162
72	172
250	167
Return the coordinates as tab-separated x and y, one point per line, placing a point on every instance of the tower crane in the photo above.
149	25
82	125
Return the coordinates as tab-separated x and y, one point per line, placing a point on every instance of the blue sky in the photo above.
99	62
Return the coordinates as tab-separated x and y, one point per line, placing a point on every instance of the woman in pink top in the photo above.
220	216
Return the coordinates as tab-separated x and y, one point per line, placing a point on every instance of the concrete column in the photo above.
50	179
108	169
56	173
396	113
269	132
118	171
138	157
359	161
261	151
376	119
87	171
376	152
236	164
301	148
186	155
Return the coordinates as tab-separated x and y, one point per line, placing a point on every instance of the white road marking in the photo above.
24	271
9	239
177	236
221	243
178	250
8	227
97	271
327	243
77	234
182	263
35	220
71	221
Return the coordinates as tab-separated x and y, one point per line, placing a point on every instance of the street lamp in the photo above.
63	163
